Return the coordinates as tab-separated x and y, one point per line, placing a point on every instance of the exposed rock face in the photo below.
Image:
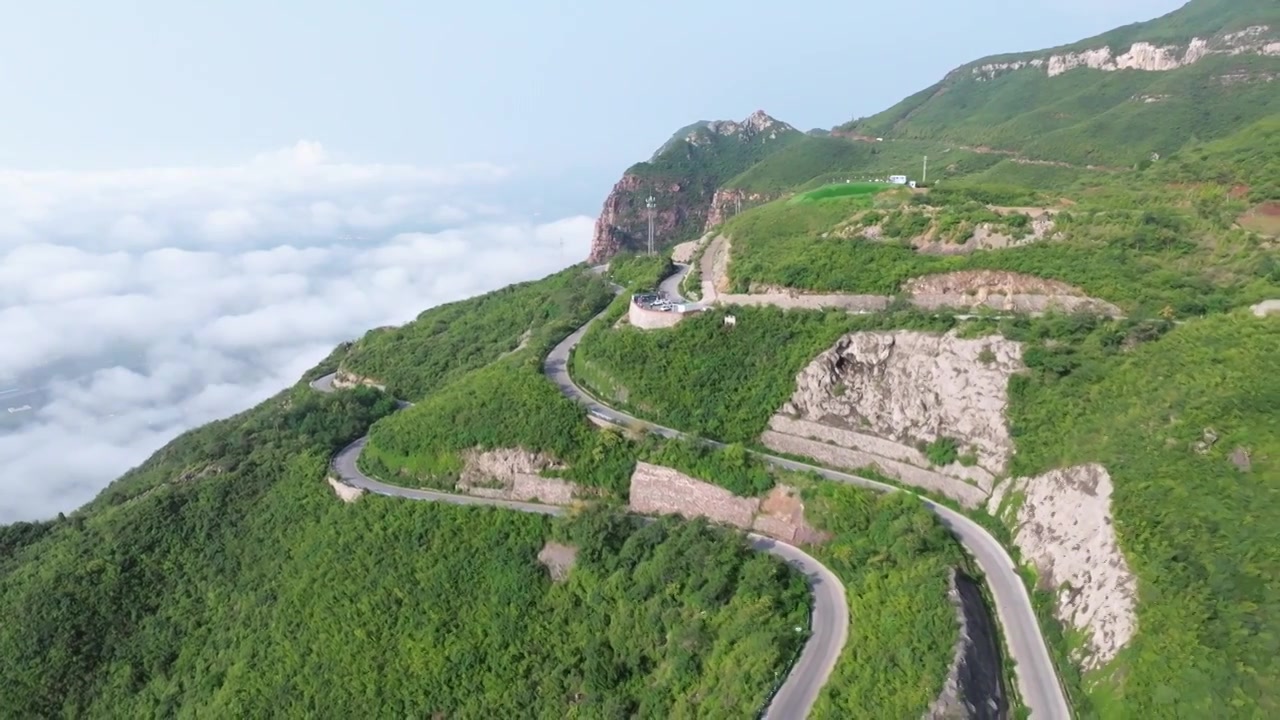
782	517
985	236
907	387
624	223
728	201
193	474
512	474
683	200
345	492
973	690
874	396
684	252
803	438
345	379
1256	40
1063	526
1002	290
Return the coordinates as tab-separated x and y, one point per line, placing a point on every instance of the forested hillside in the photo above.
449	340
1053	105
223	578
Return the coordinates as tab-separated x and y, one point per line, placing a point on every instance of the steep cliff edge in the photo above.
682	177
972	690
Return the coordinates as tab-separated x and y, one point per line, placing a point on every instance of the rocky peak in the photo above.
756	124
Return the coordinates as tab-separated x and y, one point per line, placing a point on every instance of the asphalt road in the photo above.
1037	679
671	286
829	622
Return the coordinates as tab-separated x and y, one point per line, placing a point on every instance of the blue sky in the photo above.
563	89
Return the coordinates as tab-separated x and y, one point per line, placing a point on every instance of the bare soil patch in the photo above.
558	559
1263	219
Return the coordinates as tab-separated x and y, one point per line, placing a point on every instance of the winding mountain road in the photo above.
829	621
1036	676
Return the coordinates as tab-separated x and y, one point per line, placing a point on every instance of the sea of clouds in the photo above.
137	304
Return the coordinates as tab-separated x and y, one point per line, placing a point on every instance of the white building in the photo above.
898	179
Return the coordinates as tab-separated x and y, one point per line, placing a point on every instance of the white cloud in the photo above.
172	297
296	191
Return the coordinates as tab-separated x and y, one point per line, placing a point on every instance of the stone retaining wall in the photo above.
880	447
962	492
652	319
531	488
658	490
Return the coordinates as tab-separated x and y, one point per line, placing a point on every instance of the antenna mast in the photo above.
650	203
925	179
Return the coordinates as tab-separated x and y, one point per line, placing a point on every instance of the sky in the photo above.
198	201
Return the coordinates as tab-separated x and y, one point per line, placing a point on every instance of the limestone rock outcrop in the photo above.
1266	307
1063	526
875	397
513	474
1002	290
727	202
1255	40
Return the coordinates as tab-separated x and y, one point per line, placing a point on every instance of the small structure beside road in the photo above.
655	310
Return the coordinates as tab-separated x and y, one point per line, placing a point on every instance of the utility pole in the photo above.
737	203
650	203
925	179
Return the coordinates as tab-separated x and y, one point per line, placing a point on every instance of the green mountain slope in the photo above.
222	578
1210	70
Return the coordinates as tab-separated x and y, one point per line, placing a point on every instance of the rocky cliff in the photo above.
727	202
924	408
682	177
1064	528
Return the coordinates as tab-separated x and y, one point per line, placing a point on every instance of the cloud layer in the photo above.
137	304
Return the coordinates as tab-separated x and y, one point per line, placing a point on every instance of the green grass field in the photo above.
838	190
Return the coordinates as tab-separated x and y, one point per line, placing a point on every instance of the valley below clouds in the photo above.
135	305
